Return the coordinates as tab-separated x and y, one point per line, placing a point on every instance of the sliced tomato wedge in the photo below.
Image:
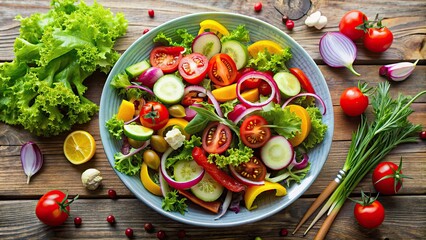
253	170
216	138
193	68
253	133
222	70
166	58
303	79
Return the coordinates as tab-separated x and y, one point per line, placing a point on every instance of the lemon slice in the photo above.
79	147
260	46
213	26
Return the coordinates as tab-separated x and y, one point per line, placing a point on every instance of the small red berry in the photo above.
181	234
148	227
161	235
283	232
284	18
258	7
129	232
151	13
423	135
289	24
111	219
145	30
77	221
112	193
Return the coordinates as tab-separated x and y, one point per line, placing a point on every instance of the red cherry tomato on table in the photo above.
370	215
222	70
53	208
166	58
353	101
154	115
350	21
193	68
303	79
252	132
378	39
216	138
387	177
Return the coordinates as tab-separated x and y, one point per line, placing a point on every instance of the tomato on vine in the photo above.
387	177
349	23
53	208
369	212
377	37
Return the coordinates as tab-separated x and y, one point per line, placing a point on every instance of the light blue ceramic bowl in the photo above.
267	204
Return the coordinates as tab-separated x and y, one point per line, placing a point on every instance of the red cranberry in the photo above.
111	219
423	135
148	227
112	193
181	234
161	235
283	232
129	232
77	221
258	7
289	24
145	30
151	13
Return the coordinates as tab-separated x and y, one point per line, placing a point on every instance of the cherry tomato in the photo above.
303	79
191	98
371	215
353	101
216	138
222	70
166	58
220	176
350	21
387	177
258	7
154	115
193	68
265	89
253	170
378	39
252	132
251	83
53	208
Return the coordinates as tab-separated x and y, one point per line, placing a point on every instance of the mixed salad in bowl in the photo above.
216	119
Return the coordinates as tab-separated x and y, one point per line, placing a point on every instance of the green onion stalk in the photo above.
370	144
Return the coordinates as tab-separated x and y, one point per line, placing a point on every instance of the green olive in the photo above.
151	159
177	111
135	143
158	143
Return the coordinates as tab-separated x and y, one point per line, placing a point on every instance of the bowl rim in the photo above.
182	218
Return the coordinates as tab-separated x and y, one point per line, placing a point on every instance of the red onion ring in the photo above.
174	184
243	179
150	76
255	74
307	94
141	88
209	94
302	164
246	112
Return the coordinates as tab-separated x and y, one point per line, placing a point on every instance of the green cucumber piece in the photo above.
207	189
288	84
138	68
184	171
169	89
237	51
138	132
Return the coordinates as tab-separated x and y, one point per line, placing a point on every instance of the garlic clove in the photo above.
398	71
313	19
91	178
321	22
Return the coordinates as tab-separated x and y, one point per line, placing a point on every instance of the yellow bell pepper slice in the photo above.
180	122
305	127
147	182
253	191
229	93
213	26
126	111
260	46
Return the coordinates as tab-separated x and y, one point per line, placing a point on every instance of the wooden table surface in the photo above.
405	212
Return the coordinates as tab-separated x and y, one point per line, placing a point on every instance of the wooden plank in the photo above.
405	18
18	221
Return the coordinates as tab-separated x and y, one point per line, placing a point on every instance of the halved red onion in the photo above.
175	184
243	179
246	112
150	76
141	88
307	94
302	164
225	205
200	89
260	75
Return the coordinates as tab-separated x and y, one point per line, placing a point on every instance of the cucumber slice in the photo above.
277	153
288	84
207	189
237	51
138	68
169	89
138	132
207	44
186	170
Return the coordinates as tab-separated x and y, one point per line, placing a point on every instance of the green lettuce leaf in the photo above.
240	34
270	62
318	129
284	122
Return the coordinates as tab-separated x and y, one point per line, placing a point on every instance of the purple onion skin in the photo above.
31	159
150	76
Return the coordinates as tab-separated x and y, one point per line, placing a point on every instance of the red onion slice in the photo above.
238	109
302	164
31	159
150	76
196	88
174	184
246	112
260	75
141	88
307	94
